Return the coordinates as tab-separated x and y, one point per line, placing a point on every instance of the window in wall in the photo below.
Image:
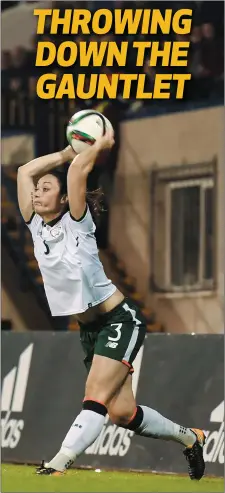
190	234
183	229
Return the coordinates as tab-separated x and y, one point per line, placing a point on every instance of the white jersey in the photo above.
67	255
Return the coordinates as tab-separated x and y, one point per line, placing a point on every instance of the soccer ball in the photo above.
84	128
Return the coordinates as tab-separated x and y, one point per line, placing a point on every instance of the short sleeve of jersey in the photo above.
34	223
85	225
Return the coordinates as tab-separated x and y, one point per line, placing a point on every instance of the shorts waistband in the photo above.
102	319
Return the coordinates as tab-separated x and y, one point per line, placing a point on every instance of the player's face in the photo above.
47	197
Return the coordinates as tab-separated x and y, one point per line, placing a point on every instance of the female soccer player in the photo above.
112	327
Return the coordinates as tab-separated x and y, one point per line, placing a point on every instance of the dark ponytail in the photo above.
95	201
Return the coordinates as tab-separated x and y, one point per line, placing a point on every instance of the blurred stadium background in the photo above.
161	238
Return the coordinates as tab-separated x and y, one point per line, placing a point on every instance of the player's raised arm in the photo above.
78	172
28	172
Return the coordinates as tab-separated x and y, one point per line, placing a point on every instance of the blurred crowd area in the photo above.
206	52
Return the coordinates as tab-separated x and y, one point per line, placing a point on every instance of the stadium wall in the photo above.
151	144
10	312
40	401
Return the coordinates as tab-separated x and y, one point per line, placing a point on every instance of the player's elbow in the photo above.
20	173
20	169
23	170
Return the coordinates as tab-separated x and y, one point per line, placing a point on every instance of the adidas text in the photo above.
11	431
111	441
214	447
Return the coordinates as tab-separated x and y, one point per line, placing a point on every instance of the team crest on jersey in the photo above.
55	232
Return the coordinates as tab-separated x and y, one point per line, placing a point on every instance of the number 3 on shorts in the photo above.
118	330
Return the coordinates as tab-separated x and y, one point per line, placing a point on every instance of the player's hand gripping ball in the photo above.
85	127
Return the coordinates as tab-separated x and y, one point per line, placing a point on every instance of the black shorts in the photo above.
118	334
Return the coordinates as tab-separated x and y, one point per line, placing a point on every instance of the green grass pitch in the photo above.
17	478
